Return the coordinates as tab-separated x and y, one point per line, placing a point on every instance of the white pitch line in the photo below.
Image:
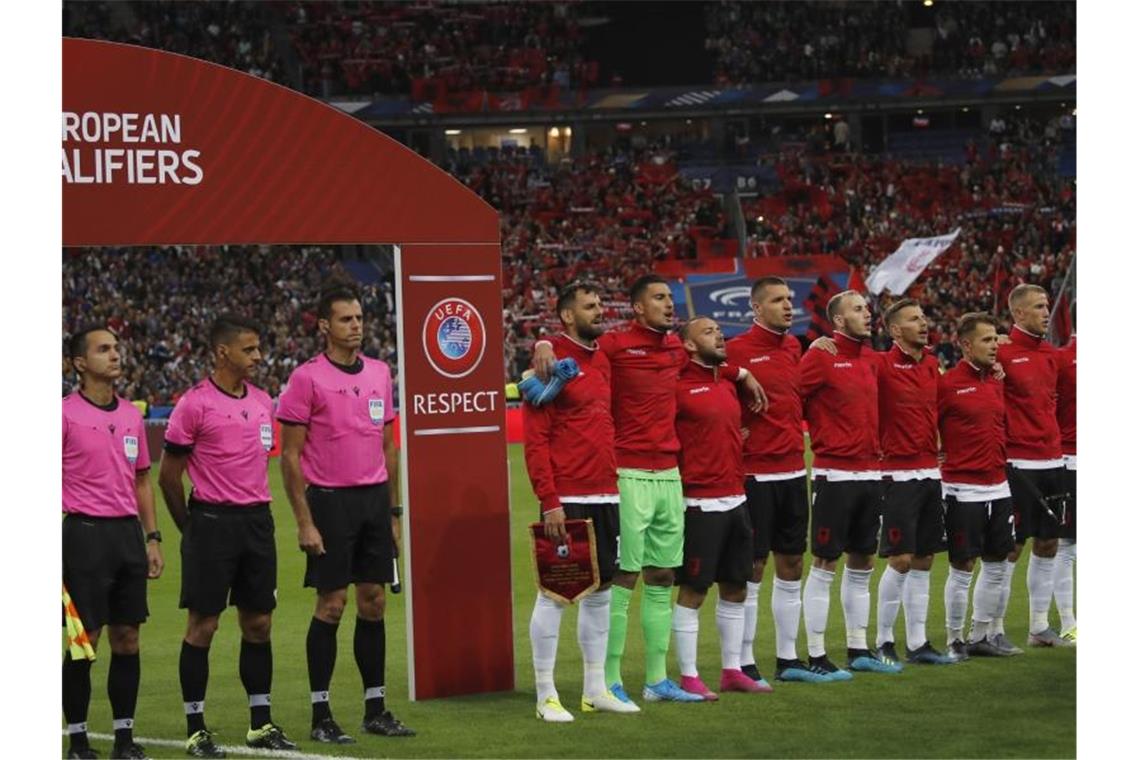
229	749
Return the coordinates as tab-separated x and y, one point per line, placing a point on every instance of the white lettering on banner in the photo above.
896	272
455	402
971	389
107	164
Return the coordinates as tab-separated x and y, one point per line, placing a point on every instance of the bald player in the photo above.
110	538
1035	458
842	410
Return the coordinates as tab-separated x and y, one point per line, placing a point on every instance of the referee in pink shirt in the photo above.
221	432
110	545
337	455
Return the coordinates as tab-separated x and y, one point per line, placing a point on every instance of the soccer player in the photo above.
979	511
221	432
569	445
110	543
1036	463
646	358
912	529
718	531
337	458
842	409
775	480
1067	545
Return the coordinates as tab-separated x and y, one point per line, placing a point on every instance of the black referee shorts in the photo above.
779	513
718	547
913	518
356	527
105	569
845	516
1039	502
229	553
607	528
979	528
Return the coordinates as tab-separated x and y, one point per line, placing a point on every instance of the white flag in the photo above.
901	268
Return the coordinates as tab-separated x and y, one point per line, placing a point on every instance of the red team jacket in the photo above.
1067	396
972	420
841	404
1030	365
908	410
645	365
708	426
775	440
569	443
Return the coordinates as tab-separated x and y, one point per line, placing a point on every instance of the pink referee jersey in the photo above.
228	439
103	449
345	410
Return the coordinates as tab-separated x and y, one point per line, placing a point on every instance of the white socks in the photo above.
890	598
916	601
997	626
545	621
786	606
817	600
730	625
751	609
593	631
1063	582
957	598
855	593
987	595
686	623
1040	582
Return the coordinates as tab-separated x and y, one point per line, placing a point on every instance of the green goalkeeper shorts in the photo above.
652	514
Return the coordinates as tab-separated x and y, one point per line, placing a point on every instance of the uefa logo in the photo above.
454	337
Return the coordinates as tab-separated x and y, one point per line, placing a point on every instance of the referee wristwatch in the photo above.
154	536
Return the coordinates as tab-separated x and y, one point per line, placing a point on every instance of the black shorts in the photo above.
1038	502
913	518
607	528
845	517
229	555
1069	524
779	513
105	569
979	528
718	547
356	527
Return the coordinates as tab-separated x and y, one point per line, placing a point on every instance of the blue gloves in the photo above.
537	392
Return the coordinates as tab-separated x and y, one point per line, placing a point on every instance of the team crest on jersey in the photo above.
376	410
266	431
131	448
454	337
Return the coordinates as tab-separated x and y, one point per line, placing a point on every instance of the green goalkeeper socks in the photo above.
656	625
615	644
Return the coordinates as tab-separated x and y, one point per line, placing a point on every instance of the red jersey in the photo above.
1030	365
645	365
841	404
1067	396
775	442
708	426
569	443
908	410
971	418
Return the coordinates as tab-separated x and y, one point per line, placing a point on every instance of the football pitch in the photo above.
1017	707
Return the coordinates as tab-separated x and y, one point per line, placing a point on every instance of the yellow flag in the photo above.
77	641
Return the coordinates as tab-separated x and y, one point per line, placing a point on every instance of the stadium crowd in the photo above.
162	301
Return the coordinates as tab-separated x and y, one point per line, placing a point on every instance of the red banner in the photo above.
566	571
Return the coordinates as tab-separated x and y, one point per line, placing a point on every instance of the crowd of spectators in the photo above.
234	34
161	301
429	49
771	42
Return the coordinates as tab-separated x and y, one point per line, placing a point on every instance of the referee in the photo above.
336	414
108	506
221	431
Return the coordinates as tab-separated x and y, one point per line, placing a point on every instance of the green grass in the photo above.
1023	707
